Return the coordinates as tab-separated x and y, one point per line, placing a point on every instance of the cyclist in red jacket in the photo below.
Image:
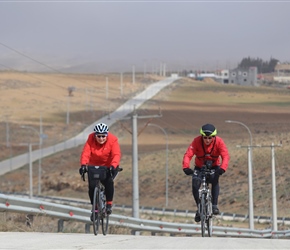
206	147
102	149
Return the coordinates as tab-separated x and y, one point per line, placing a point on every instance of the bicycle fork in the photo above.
205	192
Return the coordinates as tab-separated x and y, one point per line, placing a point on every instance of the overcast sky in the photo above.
191	34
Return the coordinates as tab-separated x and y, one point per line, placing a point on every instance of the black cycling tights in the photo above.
109	189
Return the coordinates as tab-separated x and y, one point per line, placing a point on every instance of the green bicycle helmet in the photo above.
208	130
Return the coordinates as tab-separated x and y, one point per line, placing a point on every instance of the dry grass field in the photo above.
185	106
30	99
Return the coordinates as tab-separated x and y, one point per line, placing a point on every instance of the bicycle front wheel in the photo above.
202	214
103	215
105	224
209	226
209	219
96	217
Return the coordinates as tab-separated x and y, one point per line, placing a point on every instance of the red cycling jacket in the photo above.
107	154
216	152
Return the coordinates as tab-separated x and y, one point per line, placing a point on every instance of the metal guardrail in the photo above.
159	211
67	212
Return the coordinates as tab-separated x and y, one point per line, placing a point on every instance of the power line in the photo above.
25	73
34	60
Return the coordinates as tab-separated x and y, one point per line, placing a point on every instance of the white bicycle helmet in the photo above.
101	128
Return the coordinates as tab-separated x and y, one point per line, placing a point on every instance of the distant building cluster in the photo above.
247	77
282	71
244	77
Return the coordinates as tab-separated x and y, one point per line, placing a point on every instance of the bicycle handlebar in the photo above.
206	170
118	169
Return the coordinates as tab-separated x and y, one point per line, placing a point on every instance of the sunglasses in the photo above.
101	136
207	137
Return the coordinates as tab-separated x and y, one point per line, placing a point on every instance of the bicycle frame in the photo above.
99	201
205	205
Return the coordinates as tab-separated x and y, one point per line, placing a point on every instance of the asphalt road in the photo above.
43	241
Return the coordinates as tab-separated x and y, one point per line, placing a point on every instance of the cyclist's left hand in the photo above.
221	171
112	171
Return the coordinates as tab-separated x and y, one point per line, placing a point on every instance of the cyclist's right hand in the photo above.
82	170
188	171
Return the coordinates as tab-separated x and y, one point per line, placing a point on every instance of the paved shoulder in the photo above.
47	241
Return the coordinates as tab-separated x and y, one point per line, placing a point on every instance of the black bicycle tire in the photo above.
209	221
202	215
96	221
209	216
209	226
105	217
102	213
105	224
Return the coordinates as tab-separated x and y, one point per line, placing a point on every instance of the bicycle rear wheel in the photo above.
96	219
202	214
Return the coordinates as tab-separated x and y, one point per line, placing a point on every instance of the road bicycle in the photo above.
97	174
205	198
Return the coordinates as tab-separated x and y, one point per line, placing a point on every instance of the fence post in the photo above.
60	225
29	220
87	228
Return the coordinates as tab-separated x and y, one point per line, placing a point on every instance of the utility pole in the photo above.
121	84
135	174
144	69
41	137
107	88
133	74
135	177
164	69
67	110
40	149
7	132
30	171
250	173
274	197
30	167
250	180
